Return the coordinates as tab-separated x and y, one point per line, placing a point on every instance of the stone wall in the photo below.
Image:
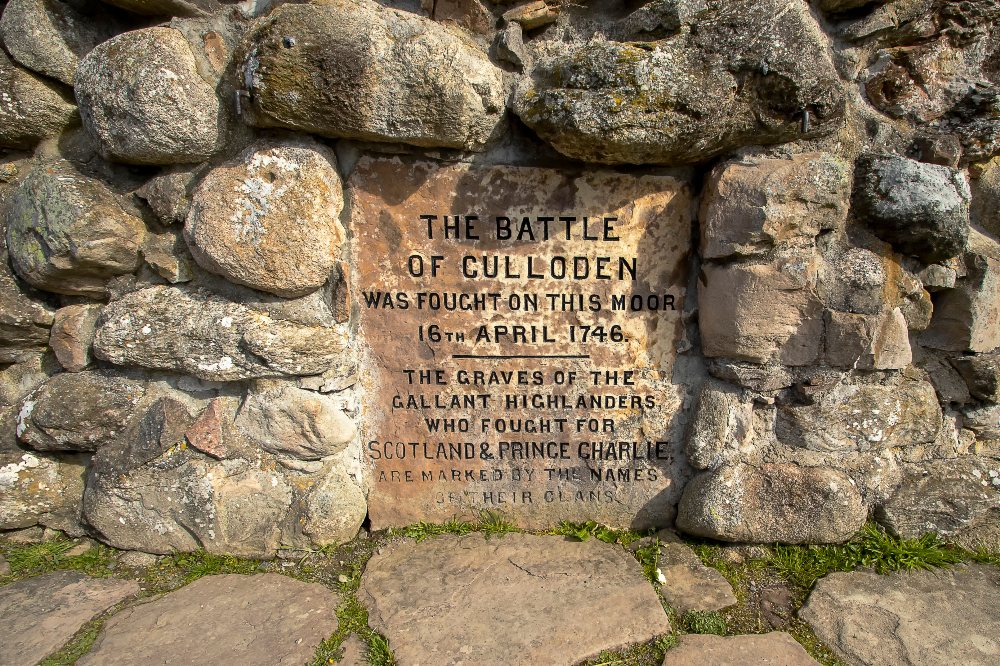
186	194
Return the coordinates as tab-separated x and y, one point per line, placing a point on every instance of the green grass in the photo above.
40	558
704	622
490	523
78	646
872	548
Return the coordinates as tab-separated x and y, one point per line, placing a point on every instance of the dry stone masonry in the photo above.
271	271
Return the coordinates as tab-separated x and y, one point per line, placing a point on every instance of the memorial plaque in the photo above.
522	326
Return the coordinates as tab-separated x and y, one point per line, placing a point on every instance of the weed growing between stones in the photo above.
53	555
704	622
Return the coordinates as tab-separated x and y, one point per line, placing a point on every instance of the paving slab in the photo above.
940	617
519	597
260	620
40	615
774	649
690	585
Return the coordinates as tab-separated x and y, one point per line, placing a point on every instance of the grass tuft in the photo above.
704	622
872	548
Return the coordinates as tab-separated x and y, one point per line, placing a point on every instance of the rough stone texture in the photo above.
860	342
167	7
932	618
50	37
409	80
861	416
722	426
922	209
761	312
169	193
737	78
354	652
262	620
688	584
77	411
168	255
30	107
966	318
270	220
133	90
36	488
286	420
155	491
211	337
754	206
984	212
955	498
531	15
772	503
72	335
67	233
984	420
24	322
39	615
545	599
774	649
981	374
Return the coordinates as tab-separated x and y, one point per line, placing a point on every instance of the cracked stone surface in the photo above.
472	600
261	620
39	615
774	649
931	618
689	584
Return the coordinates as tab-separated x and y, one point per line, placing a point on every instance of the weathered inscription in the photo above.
522	326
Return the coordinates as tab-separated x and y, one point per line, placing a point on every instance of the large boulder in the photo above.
959	499
154	492
211	337
862	415
761	312
289	421
78	411
754	206
734	77
354	69
30	107
270	220
142	99
50	37
67	233
921	209
772	503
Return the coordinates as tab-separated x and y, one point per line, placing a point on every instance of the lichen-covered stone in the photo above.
862	415
735	77
211	337
72	335
30	107
142	99
953	498
760	312
169	193
772	503
24	321
289	421
722	427
921	209
41	489
270	220
754	206
50	37
78	411
67	233
353	69
966	318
